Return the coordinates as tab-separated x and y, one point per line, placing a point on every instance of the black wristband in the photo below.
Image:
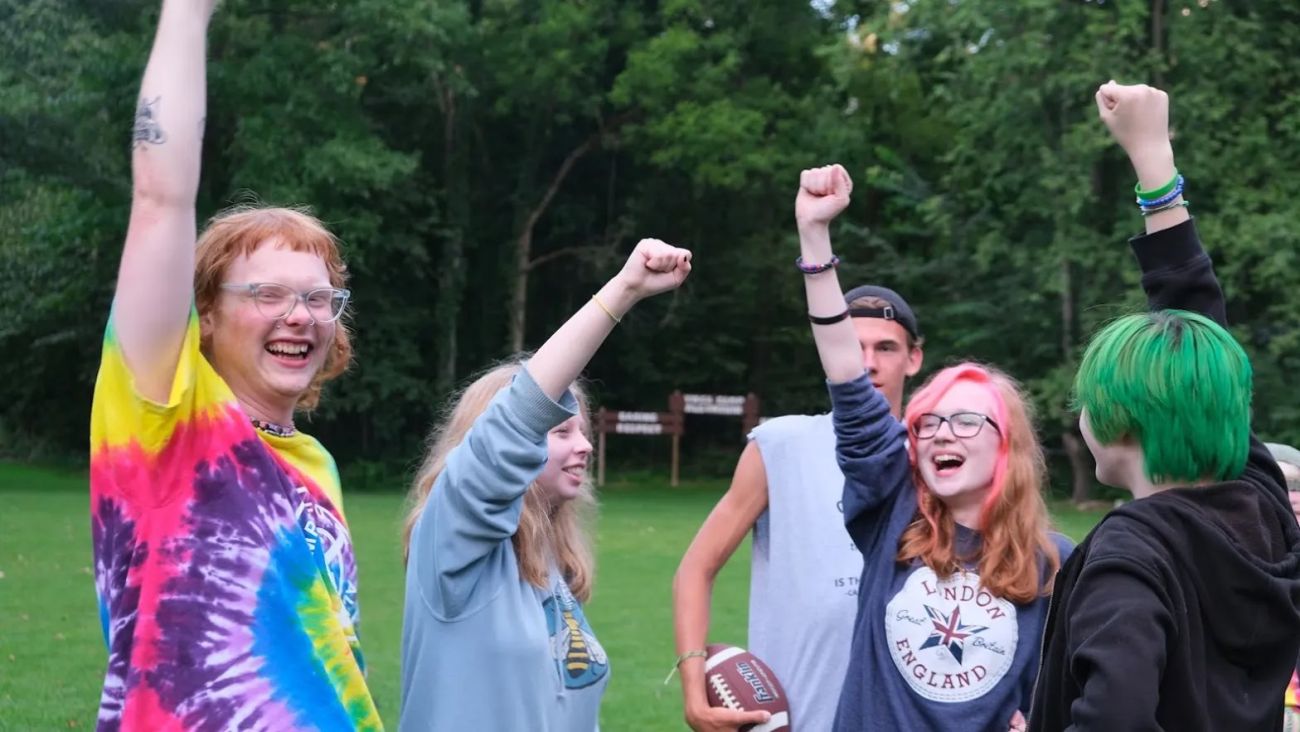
829	320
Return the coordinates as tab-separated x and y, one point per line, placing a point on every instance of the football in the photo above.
737	679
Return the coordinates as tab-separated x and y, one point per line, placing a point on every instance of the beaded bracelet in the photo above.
1147	204
1166	207
812	269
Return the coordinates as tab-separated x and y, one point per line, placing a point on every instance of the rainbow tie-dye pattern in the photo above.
1291	706
223	564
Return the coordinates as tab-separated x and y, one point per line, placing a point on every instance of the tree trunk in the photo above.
1075	450
524	245
451	270
1081	469
451	288
1158	38
519	298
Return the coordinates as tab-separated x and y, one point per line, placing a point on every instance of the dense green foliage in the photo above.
488	162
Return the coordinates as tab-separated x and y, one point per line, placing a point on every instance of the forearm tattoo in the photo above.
147	128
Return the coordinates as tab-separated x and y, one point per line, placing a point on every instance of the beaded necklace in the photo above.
272	428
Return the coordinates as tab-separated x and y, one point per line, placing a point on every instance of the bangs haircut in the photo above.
1178	384
240	231
1017	558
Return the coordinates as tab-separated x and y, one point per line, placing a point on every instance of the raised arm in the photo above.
869	442
155	281
654	267
477	499
1176	271
1138	118
823	194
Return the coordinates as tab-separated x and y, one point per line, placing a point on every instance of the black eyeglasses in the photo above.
962	424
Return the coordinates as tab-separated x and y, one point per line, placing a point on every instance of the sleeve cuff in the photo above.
859	394
1167	248
538	412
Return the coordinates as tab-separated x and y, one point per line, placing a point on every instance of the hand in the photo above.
1138	118
823	194
1295	503
654	267
721	719
1018	723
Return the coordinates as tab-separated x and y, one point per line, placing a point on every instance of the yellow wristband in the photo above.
608	312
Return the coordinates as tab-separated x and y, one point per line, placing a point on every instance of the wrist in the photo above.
618	296
1153	164
691	671
695	701
815	244
811	226
184	14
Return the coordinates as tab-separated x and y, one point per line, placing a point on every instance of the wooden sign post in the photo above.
672	422
609	421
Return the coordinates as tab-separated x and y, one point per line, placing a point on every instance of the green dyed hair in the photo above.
1176	382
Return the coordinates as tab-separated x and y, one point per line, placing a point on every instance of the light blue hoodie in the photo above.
481	648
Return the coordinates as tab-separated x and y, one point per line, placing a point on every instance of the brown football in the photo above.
737	679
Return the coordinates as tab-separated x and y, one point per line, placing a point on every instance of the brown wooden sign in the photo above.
672	423
639	423
729	405
616	422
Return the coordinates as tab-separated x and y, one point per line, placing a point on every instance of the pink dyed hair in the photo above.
925	400
1013	520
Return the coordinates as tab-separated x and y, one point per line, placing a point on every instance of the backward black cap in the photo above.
898	310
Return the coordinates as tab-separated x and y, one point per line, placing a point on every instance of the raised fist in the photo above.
1137	116
823	194
655	267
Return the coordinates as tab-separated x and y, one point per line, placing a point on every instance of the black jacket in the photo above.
1179	611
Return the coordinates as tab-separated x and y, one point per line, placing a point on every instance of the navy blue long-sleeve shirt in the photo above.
929	653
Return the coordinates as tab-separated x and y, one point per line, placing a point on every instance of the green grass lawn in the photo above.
52	652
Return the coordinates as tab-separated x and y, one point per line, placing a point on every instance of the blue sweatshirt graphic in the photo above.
481	648
928	652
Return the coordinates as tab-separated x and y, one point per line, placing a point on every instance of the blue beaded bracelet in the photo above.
811	269
1167	207
1164	200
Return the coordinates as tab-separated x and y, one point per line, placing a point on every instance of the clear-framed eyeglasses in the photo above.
962	424
275	301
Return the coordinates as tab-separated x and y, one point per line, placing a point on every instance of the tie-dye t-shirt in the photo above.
1291	706
223	563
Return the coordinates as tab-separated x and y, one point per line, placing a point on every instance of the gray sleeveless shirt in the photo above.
805	568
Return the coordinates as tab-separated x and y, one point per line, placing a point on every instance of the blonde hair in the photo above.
240	231
1014	521
545	534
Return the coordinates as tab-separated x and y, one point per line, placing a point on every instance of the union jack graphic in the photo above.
949	631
